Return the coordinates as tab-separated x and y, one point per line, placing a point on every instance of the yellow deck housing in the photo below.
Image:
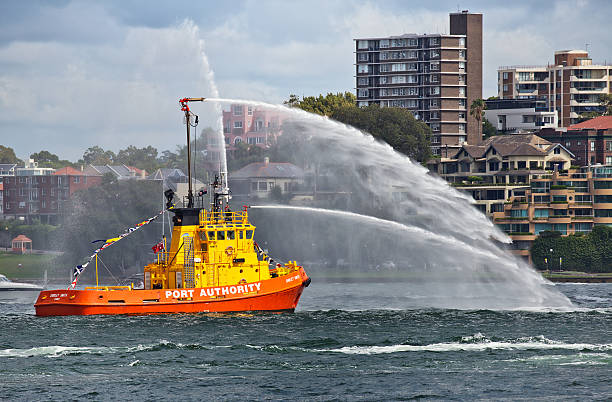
218	251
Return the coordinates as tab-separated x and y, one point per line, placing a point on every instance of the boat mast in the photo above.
185	108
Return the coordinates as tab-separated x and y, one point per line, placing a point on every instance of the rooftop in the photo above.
598	123
270	169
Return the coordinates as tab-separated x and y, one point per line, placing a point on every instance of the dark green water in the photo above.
324	351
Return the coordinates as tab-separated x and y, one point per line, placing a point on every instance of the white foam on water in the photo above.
475	343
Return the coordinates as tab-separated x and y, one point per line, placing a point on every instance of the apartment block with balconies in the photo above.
570	87
565	201
436	76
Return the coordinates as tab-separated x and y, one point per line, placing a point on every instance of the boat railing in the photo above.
216	217
108	288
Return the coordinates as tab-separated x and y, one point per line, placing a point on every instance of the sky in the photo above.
74	74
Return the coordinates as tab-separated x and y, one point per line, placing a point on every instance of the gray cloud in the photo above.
80	73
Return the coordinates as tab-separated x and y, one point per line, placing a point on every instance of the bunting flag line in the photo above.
78	270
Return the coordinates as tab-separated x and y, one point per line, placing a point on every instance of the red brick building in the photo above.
41	194
243	123
590	141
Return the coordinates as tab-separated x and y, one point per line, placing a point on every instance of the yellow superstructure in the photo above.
217	250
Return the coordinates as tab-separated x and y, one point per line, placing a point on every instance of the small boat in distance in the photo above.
6	285
213	265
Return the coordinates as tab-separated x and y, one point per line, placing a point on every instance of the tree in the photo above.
323	105
477	110
395	126
7	155
97	156
488	129
587	116
142	158
605	101
47	159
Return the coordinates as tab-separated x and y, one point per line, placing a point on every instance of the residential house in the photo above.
260	178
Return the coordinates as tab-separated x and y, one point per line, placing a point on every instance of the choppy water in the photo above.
324	351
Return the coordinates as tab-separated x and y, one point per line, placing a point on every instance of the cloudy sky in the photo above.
79	73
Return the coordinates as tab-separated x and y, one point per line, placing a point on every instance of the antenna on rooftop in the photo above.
586	47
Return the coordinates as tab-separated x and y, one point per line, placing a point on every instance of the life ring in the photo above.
229	250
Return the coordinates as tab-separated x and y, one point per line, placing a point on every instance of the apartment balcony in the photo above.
559	219
579	103
583	218
574	78
588	90
522	236
558	205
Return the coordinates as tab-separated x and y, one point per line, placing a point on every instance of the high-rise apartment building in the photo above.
571	86
436	76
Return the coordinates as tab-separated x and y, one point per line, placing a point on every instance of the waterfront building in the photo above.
250	125
260	178
41	193
564	201
7	169
500	167
590	141
519	115
436	76
571	86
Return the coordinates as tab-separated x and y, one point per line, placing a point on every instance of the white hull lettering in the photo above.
219	291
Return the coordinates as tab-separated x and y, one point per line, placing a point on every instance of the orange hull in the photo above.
276	294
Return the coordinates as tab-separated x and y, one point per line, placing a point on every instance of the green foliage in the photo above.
587	116
47	159
587	253
475	178
43	236
488	129
97	156
395	126
605	100
245	154
7	155
323	105
142	158
477	111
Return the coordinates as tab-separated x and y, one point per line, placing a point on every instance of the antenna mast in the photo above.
185	108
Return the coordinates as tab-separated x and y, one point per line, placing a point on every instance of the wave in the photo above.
59	351
474	343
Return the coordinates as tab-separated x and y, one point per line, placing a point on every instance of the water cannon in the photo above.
184	102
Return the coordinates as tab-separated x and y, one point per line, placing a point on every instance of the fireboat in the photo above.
213	264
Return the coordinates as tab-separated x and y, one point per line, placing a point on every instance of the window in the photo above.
462	102
237	124
505	76
434	66
434	53
361	69
462	128
434	41
434	78
363	93
462	91
461	65
398	79
608	160
363	81
434	90
461	116
384	43
363	56
220	235
461	41
608	145
462	54
231	235
505	87
362	44
76	179
592	146
250	110
263	186
383	80
249	234
433	102
398	67
237	109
